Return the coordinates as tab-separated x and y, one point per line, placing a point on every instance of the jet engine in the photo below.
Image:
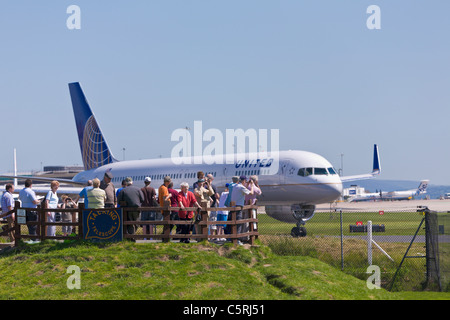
295	213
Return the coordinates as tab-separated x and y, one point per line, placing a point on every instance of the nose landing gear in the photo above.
301	214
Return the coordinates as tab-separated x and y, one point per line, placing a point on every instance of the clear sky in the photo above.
311	69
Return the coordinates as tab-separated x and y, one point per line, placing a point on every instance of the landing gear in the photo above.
298	232
301	213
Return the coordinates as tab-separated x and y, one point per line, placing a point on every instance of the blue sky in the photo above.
311	69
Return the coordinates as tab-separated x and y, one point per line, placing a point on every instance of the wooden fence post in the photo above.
42	226
204	227
80	221
233	225
166	218
17	228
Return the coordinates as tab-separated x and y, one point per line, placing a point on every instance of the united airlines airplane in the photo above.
289	193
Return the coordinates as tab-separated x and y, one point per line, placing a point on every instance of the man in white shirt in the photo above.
238	194
29	200
7	203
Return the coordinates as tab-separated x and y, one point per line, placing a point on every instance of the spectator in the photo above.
200	175
67	203
83	194
163	192
7	203
235	180
173	203
186	199
252	184
131	196
251	199
149	201
215	196
96	196
51	201
164	195
110	191
124	185
214	202
203	192
222	215
29	200
238	197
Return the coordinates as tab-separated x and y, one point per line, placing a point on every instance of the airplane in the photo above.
302	180
393	195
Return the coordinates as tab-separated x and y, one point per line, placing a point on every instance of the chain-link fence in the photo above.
349	250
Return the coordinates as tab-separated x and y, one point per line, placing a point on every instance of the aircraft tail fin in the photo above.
422	188
94	149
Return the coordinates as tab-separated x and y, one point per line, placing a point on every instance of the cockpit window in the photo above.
320	171
304	172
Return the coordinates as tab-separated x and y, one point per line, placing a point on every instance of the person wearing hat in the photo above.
131	196
110	190
238	197
149	201
203	192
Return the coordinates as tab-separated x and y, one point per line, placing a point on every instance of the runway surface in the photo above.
370	206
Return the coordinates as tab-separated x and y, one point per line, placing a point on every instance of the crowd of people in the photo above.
102	194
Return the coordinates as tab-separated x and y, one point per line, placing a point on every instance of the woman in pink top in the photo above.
252	184
251	199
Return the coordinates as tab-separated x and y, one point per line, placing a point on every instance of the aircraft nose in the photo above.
334	191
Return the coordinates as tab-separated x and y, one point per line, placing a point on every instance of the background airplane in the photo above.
393	195
292	182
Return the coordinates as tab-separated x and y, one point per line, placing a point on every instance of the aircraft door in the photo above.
285	170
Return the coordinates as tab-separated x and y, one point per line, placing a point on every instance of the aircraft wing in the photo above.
375	171
44	179
43	190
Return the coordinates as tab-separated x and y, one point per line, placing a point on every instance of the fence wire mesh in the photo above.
393	232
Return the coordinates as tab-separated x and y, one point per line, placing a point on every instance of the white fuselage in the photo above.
280	181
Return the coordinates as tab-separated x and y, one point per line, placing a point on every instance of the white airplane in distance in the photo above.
393	195
302	180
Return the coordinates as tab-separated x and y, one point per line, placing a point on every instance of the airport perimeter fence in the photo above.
408	256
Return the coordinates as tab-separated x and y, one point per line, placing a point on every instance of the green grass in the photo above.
323	242
328	223
177	271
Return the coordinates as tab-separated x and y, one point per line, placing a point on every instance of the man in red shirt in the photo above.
173	203
186	199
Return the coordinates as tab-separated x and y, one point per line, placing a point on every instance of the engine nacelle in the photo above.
296	213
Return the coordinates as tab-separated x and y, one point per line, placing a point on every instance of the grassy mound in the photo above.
154	271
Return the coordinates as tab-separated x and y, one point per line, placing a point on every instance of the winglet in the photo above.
376	170
376	160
